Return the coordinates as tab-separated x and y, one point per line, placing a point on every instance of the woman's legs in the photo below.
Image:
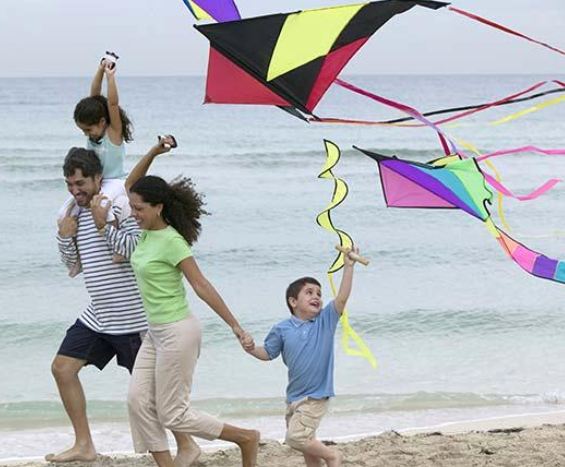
247	440
177	349
188	451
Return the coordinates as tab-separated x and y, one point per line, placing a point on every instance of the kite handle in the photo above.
354	256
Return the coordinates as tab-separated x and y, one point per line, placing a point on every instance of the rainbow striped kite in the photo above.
454	183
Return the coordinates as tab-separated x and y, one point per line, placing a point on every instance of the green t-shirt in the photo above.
155	263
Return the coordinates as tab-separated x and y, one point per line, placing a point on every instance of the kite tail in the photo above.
324	220
349	335
502	28
529	260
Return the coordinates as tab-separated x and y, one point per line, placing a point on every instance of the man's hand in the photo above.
100	206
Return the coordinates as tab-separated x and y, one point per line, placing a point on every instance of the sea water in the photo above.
459	331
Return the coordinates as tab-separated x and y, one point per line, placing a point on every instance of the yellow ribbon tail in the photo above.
349	335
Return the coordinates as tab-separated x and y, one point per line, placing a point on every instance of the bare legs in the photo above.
65	371
315	451
247	440
188	451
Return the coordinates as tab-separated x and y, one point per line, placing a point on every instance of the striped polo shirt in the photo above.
115	303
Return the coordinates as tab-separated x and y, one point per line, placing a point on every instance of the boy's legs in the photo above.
303	418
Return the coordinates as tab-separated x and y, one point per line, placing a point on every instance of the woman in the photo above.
159	394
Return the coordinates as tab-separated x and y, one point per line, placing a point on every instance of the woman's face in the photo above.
147	216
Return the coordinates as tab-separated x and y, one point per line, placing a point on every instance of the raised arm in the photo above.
206	292
346	283
115	123
141	168
96	85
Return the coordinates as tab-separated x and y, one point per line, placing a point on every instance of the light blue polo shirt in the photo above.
307	349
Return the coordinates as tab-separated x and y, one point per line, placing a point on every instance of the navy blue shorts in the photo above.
97	348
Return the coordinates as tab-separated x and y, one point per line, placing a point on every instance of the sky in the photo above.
156	37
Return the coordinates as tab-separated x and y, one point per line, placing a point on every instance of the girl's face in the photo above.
93	132
147	216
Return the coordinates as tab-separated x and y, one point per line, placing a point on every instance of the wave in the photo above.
35	414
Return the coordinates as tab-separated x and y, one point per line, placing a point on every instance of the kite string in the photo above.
503	28
447	144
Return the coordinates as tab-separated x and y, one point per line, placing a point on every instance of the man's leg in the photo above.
65	370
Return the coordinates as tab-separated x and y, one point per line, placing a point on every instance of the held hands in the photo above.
244	339
100	206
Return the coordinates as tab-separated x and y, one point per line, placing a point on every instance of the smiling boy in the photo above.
306	342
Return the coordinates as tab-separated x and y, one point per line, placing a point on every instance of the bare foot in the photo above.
74	454
337	462
187	457
249	449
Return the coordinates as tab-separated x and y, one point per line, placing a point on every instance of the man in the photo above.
112	322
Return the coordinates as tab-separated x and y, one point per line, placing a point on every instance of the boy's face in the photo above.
308	303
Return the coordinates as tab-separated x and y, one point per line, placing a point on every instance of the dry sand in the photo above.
508	446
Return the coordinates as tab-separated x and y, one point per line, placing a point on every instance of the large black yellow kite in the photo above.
290	59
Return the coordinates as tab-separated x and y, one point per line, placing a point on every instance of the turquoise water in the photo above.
458	329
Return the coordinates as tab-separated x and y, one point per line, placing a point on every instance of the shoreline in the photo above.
528	439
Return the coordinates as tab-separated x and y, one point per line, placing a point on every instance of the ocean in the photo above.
460	332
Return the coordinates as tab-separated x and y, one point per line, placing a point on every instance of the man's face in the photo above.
94	132
308	303
83	188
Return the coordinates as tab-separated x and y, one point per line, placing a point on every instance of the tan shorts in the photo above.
303	418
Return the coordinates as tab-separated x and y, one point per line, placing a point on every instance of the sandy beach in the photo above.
525	441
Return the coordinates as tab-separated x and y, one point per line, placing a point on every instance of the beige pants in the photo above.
159	391
303	418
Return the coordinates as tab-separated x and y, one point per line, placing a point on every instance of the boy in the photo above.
306	342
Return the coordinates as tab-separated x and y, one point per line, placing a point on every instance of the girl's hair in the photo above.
182	205
91	109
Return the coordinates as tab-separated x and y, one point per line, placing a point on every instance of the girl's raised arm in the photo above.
115	124
96	85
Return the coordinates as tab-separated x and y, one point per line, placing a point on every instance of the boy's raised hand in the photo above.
349	258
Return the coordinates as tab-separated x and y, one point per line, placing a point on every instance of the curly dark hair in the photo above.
182	204
91	109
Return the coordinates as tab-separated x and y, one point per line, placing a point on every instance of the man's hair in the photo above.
84	159
295	287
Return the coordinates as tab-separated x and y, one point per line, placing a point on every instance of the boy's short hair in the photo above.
84	159
295	287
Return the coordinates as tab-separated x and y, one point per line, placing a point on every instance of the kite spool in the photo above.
354	256
173	144
110	58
